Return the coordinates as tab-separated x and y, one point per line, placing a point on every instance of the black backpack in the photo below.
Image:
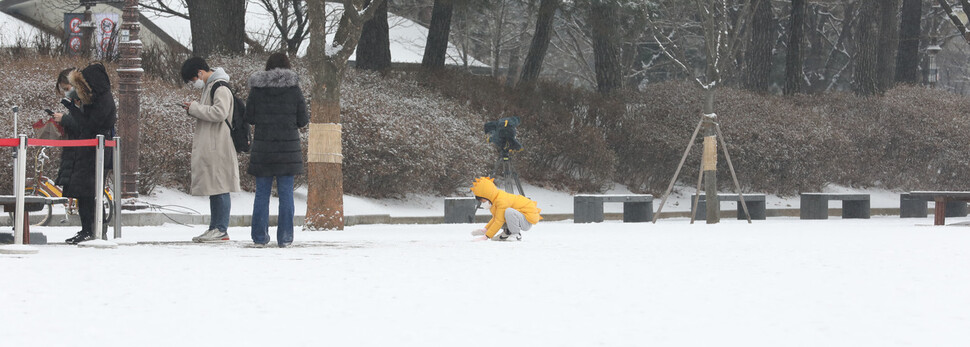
239	129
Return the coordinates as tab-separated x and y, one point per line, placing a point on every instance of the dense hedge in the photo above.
414	132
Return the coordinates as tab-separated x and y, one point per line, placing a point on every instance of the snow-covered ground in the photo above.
782	282
550	201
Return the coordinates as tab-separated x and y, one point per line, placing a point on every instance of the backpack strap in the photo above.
212	95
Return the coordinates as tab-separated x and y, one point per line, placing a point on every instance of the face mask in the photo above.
487	205
71	95
198	84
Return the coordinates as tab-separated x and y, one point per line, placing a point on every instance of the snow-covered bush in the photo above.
412	132
402	138
564	145
910	139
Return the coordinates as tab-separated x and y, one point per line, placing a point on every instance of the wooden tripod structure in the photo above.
707	169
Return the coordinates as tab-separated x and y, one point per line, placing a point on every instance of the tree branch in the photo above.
164	8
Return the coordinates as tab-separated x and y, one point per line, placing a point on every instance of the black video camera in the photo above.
502	133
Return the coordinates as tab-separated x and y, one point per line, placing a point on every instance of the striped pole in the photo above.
19	187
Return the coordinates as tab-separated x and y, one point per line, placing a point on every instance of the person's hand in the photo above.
57	116
478	232
187	105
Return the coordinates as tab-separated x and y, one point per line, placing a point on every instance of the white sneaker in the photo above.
505	235
199	238
213	235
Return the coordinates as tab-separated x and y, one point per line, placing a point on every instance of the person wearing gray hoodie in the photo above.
215	168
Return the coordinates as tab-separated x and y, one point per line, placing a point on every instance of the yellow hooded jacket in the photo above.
485	187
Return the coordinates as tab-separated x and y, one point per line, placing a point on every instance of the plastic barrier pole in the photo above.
99	189
116	189
20	182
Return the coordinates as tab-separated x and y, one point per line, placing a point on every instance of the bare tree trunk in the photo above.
325	209
437	47
374	49
757	62
497	34
540	43
218	26
888	43
867	53
907	62
515	56
794	60
603	22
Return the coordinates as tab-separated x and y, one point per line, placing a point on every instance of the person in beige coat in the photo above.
215	169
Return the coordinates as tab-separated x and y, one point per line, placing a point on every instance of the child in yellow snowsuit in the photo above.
511	213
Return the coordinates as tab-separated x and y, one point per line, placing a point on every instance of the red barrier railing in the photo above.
56	143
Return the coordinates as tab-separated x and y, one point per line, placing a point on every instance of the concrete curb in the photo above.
158	219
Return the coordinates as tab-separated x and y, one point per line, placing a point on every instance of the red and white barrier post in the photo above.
20	183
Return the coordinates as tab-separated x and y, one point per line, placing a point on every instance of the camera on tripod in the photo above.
501	133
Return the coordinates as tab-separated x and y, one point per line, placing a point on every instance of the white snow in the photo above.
885	281
13	30
783	282
550	201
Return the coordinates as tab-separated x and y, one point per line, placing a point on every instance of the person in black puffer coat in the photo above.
95	116
276	109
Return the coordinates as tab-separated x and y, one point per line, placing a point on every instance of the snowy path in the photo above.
784	282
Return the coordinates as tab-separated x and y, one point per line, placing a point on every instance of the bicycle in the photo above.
41	185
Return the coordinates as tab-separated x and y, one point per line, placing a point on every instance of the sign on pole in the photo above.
72	33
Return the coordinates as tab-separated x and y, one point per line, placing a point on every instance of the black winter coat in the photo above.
276	109
96	116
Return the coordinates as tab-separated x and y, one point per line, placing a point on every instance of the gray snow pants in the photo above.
515	221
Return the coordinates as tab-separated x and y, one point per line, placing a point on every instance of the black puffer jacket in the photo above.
276	109
97	116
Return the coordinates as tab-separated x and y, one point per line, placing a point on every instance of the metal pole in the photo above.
116	186
20	173
16	109
99	189
15	152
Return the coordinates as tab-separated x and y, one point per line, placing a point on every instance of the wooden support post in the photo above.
939	217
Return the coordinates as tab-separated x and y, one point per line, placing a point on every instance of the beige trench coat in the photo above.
215	169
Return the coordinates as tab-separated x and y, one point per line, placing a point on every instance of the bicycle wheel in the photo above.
107	208
42	217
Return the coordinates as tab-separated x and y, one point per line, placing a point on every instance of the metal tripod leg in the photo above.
515	177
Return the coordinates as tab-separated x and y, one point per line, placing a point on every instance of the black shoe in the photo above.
80	237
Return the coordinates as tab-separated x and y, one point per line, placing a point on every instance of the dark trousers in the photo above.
85	208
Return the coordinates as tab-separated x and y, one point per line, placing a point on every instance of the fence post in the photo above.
99	189
116	189
20	183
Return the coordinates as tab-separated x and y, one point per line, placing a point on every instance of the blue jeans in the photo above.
219	206
284	227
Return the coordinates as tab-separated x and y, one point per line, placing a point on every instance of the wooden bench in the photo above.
816	205
911	207
755	203
31	204
460	210
941	198
588	208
